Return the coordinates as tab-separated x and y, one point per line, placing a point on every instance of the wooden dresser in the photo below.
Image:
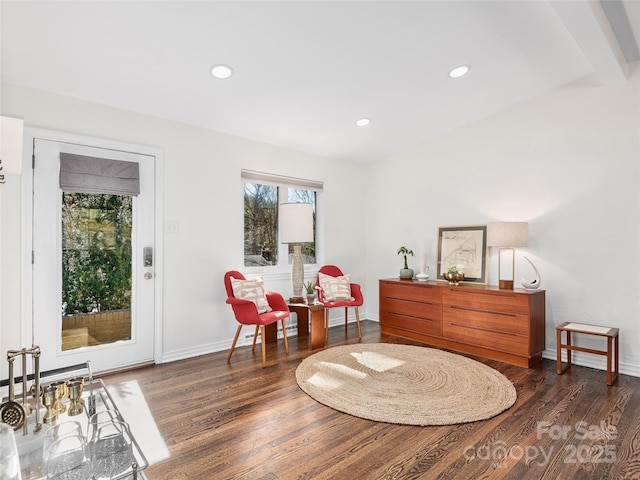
505	325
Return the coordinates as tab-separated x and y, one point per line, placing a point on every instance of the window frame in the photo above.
282	271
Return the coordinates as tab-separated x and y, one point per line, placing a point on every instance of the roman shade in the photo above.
83	174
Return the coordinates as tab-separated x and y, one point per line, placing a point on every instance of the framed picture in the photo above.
464	247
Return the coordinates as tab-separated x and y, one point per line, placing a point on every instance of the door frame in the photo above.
26	232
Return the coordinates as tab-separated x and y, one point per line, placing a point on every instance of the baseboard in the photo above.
578	358
196	351
338	318
592	361
246	338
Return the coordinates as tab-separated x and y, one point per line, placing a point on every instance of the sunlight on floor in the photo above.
330	375
135	411
325	379
377	361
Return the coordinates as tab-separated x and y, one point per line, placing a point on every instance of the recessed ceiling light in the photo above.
363	122
221	71
459	71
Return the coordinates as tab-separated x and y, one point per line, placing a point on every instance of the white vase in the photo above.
424	268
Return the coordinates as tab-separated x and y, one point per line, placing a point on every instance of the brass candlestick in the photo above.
49	400
75	388
61	385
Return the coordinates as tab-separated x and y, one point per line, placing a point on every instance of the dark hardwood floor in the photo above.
240	421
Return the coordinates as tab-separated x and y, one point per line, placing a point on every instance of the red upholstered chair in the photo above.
356	294
246	313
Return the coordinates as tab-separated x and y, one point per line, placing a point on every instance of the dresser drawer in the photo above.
474	335
411	291
487	301
488	321
423	326
411	308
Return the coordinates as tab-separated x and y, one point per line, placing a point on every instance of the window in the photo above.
96	268
263	194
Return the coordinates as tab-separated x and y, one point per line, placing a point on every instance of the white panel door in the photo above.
47	300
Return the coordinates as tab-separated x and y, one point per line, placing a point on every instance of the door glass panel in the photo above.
96	269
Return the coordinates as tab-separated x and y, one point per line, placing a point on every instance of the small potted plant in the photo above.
406	273
311	292
453	275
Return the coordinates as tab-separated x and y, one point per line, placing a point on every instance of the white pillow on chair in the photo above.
335	288
252	290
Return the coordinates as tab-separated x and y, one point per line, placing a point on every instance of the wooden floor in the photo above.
239	421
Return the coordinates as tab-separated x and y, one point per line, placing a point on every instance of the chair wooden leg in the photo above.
326	324
233	345
358	323
346	318
284	335
264	348
255	337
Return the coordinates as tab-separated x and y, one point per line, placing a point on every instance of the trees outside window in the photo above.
261	202
260	225
96	252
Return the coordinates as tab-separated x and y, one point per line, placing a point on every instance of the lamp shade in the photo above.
11	130
296	222
507	234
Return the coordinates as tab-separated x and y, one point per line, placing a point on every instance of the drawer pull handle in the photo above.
422	319
412	300
473	327
471	309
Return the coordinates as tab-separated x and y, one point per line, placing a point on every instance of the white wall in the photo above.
567	163
202	191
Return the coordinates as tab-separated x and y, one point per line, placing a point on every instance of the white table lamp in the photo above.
507	236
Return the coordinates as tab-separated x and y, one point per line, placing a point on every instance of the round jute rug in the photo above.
405	384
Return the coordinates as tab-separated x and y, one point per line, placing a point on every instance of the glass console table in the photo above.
30	446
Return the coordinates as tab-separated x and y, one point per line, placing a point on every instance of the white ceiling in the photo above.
306	70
